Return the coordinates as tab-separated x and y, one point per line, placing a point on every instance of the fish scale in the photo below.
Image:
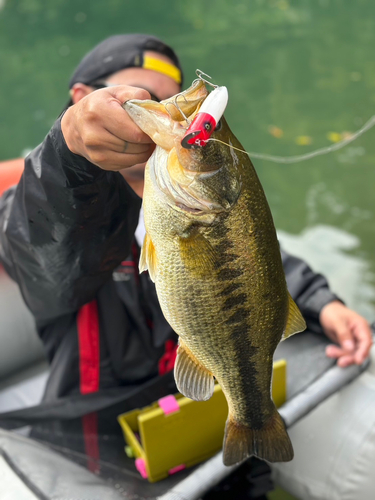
212	250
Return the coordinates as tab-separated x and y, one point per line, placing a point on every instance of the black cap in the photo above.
119	52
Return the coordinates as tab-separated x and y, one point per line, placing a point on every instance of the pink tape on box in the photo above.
169	404
140	465
176	469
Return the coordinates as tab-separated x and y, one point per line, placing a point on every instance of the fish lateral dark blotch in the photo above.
227	258
249	384
223	244
228	274
228	290
237	332
239	316
234	300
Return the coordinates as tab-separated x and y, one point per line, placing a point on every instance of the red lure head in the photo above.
199	132
203	125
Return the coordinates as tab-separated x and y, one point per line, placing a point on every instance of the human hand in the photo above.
99	129
349	330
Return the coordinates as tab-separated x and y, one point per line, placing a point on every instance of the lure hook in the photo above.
199	74
176	105
179	109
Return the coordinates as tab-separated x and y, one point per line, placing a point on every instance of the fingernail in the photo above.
348	345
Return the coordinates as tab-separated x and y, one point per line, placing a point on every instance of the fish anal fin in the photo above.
192	378
197	254
271	442
295	322
147	259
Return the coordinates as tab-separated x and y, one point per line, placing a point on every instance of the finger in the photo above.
103	109
333	351
98	128
111	160
124	129
345	336
364	346
125	147
119	122
125	93
96	139
343	358
345	361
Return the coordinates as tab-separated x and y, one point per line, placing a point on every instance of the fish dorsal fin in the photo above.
192	378
147	260
295	322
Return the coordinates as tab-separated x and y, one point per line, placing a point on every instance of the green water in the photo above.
293	69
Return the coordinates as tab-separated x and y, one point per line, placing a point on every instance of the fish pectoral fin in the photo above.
147	260
270	442
197	254
295	322
193	380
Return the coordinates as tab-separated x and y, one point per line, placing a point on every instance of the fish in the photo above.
211	249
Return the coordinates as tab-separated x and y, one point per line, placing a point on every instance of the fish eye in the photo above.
218	125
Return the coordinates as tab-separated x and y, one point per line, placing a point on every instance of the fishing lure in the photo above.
204	124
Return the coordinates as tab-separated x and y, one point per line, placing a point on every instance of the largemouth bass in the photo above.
212	251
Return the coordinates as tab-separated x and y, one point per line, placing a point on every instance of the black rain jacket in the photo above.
67	238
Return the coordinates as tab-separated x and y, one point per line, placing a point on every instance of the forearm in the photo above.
69	225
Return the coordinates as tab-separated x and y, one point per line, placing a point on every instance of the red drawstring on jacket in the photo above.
166	362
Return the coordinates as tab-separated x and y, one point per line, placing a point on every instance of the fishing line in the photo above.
318	152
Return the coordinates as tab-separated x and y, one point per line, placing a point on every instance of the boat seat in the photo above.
23	365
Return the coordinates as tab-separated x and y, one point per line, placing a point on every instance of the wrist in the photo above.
327	309
329	316
68	130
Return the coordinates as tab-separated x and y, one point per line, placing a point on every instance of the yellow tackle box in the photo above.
176	432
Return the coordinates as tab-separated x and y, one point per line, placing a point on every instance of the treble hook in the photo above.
176	105
199	74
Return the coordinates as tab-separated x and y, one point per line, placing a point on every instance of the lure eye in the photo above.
218	126
207	126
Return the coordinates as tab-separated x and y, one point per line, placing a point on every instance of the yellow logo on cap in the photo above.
162	67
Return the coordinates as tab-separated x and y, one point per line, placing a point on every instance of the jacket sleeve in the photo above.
65	228
309	290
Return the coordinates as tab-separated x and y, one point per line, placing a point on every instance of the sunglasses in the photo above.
100	84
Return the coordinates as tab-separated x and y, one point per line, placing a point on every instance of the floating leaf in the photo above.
334	136
303	140
275	131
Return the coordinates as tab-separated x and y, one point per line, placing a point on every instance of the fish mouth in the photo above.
167	120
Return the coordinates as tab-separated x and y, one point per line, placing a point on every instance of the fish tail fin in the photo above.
271	442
